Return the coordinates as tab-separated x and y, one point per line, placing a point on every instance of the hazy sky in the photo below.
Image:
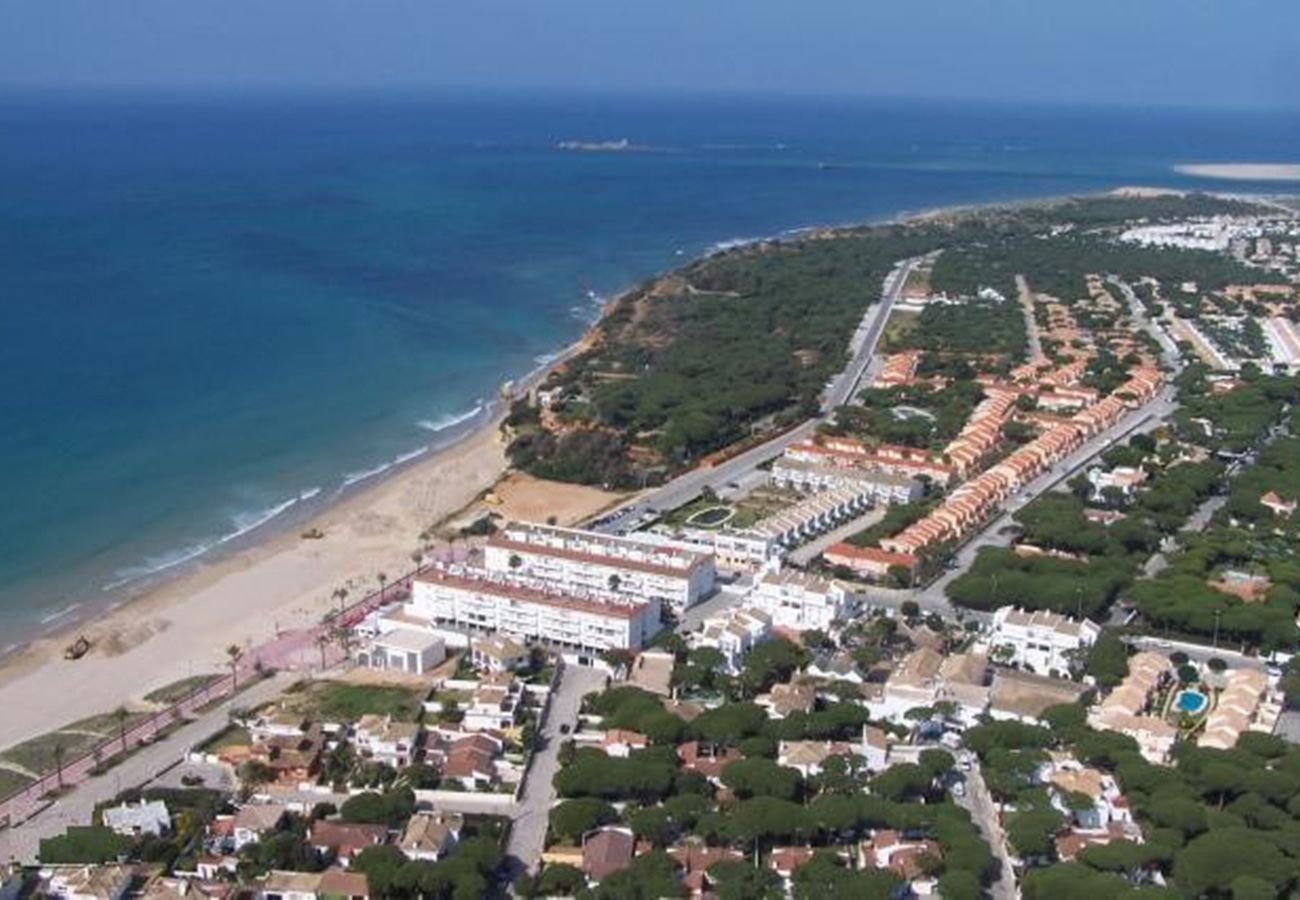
1160	52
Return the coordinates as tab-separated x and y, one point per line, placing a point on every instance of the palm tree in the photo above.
58	751
235	652
342	635
615	582
340	594
120	715
382	578
322	640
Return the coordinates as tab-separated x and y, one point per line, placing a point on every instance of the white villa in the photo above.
798	601
1041	641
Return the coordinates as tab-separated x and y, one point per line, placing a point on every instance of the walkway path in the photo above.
22	841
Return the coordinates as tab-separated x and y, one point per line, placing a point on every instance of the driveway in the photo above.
528	831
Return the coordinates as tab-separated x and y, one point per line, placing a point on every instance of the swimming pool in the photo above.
1191	701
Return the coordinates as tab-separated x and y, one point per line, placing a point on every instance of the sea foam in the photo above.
243	523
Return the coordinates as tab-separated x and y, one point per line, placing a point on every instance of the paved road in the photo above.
1198	653
21	842
1026	297
686	487
979	803
528	832
1168	346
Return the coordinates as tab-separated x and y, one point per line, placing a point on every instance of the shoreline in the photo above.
272	577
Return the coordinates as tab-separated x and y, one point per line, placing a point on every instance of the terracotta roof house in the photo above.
694	858
707	759
345	839
606	850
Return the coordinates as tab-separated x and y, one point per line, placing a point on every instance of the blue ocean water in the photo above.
215	309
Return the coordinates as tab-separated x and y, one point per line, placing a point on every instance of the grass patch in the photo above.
900	325
179	690
231	736
337	701
37	755
11	782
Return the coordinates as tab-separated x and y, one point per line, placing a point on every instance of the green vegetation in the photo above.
11	782
83	844
978	327
179	690
1217	823
911	415
338	701
467	871
40	754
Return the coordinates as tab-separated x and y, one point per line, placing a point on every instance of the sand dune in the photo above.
1243	171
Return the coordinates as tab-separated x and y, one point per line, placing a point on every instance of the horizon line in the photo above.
414	90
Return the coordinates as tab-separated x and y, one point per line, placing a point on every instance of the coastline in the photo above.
269	580
273	578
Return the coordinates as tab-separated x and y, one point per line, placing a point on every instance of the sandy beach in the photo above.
1243	171
286	581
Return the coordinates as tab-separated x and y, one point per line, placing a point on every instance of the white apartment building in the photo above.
1043	642
733	634
585	561
533	610
735	549
878	485
798	601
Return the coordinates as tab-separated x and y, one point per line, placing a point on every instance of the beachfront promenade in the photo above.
171	730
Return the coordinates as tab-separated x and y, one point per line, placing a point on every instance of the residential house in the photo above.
1236	709
869	562
133	820
734	633
429	835
887	849
345	839
694	858
470	760
384	740
621	742
607	850
707	759
1040	641
1277	504
497	653
495	704
335	884
809	757
254	821
1123	710
798	602
98	882
785	699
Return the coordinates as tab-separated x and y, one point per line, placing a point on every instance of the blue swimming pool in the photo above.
1191	701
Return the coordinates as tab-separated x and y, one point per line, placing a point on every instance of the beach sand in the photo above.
1243	171
182	626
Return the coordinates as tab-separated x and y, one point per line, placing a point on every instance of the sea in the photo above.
220	312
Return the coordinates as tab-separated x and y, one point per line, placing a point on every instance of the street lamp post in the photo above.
1217	614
